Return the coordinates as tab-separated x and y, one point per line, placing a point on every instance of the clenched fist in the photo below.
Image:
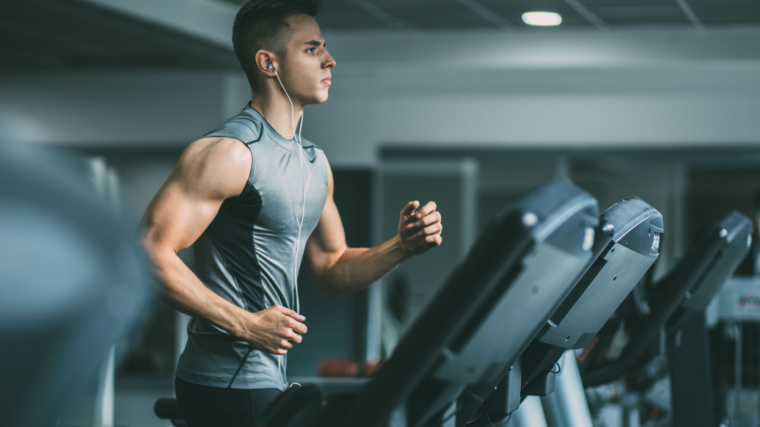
275	329
421	229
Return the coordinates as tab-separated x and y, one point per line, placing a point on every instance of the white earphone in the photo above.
305	188
302	194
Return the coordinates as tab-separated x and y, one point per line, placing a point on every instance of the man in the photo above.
256	199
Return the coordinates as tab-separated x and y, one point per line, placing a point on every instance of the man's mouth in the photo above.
327	81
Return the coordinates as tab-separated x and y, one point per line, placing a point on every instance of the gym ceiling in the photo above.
43	36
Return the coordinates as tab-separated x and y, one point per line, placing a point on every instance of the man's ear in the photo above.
265	59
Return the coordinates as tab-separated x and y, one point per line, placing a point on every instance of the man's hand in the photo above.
276	329
420	230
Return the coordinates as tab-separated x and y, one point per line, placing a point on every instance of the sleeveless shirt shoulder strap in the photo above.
243	127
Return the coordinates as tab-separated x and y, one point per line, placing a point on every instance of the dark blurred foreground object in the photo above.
73	280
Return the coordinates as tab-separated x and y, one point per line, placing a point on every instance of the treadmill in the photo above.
626	245
676	315
495	302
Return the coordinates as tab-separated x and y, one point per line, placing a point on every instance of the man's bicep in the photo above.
328	241
177	217
208	172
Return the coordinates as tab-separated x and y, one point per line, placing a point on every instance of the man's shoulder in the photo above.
217	165
216	153
220	148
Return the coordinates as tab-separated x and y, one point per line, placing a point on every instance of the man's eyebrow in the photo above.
316	43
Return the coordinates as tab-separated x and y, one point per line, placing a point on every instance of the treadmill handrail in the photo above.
494	259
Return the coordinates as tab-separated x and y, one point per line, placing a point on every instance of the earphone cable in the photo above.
301	194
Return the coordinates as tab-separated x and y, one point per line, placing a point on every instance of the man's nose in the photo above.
330	63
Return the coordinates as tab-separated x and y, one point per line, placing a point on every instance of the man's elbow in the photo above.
328	287
159	256
156	248
327	274
149	241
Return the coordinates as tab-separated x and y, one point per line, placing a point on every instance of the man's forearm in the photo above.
273	330
181	288
358	268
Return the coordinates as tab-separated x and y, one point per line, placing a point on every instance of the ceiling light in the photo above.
542	19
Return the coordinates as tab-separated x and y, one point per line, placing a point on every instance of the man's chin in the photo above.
317	100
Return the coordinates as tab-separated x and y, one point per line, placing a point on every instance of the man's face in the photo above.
305	71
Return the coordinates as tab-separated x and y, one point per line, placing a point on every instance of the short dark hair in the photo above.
260	24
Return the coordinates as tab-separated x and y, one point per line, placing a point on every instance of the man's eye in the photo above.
311	49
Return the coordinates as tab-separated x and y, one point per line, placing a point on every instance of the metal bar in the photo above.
103	415
737	369
106	183
56	40
567	405
589	15
381	14
204	19
487	14
470	172
690	14
373	333
529	414
201	48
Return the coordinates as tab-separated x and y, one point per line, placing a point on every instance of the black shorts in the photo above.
204	406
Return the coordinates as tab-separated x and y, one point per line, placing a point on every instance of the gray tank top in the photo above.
247	254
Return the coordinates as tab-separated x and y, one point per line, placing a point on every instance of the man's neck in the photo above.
276	110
